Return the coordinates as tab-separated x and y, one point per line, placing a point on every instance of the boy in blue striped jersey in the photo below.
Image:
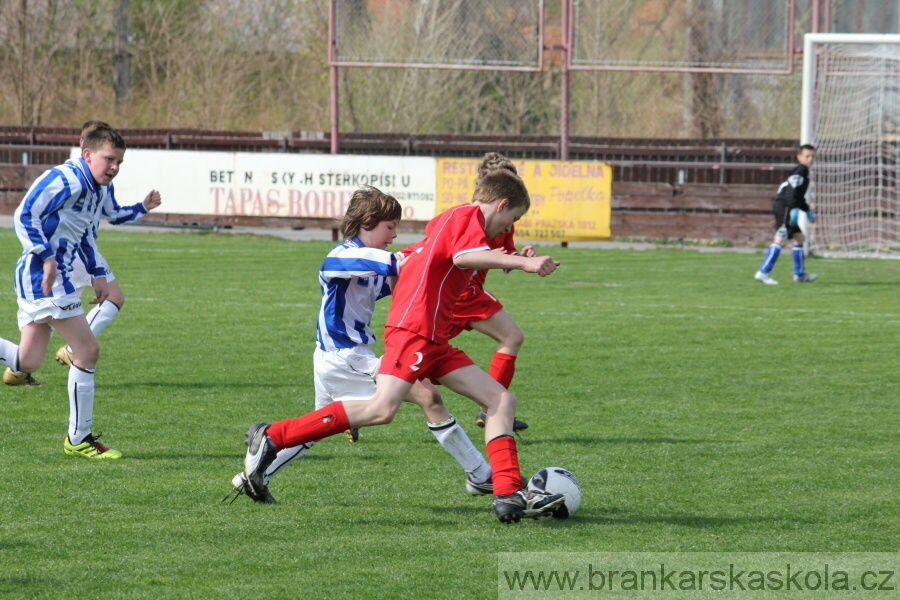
54	223
355	274
103	314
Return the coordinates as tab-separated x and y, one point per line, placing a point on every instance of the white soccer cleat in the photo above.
805	278
479	489
764	277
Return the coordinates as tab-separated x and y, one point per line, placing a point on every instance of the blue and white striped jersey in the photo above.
56	219
353	277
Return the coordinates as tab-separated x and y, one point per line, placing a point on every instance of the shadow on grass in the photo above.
19	584
180	455
862	283
602	440
182	385
7	545
691	521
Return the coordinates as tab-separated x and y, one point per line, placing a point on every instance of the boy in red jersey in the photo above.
478	309
416	347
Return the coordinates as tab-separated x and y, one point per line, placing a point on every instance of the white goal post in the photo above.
851	114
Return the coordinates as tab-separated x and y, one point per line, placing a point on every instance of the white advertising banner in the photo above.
272	185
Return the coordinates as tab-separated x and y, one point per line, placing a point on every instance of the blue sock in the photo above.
768	262
798	259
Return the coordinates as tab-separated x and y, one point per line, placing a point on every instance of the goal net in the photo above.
851	113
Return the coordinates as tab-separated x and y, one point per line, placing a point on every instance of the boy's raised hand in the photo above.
152	200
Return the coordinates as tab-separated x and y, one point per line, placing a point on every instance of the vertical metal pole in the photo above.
807	110
814	26
333	70
564	100
123	53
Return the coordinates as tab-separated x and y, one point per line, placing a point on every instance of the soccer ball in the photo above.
557	480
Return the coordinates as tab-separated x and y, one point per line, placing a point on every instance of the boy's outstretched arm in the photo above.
487	259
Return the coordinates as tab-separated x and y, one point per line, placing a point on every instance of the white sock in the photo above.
99	318
9	354
81	403
455	441
286	455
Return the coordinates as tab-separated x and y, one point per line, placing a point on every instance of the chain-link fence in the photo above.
735	35
440	33
488	66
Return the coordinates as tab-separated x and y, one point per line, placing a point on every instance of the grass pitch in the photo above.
701	410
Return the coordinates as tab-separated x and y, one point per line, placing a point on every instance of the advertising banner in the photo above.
570	201
272	185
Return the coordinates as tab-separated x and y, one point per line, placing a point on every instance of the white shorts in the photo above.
45	309
345	374
82	279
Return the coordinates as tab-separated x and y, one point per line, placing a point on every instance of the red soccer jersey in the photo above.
429	283
504	240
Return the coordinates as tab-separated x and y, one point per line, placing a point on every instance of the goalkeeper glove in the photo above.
810	216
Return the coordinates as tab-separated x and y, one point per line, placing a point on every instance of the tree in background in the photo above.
216	64
262	66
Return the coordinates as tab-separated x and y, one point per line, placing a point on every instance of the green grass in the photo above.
701	411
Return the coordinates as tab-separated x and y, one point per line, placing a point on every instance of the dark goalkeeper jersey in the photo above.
792	193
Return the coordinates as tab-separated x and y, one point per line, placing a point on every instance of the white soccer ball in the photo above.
557	480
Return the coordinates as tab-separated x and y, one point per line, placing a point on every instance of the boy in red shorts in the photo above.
416	347
478	309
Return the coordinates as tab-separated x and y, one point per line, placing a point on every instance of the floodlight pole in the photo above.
565	47
333	74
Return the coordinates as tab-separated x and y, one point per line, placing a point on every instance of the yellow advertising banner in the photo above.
570	201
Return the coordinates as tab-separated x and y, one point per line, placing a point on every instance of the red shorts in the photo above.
470	307
411	357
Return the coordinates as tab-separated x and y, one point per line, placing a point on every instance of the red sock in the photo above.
311	427
504	459
503	367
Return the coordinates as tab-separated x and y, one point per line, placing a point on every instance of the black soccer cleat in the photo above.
261	452
239	486
481	419
526	504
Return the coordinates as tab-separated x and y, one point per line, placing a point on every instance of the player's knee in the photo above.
508	401
87	353
382	417
514	339
29	363
430	399
117	298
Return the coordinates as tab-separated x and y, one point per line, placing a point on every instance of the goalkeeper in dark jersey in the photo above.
790	210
